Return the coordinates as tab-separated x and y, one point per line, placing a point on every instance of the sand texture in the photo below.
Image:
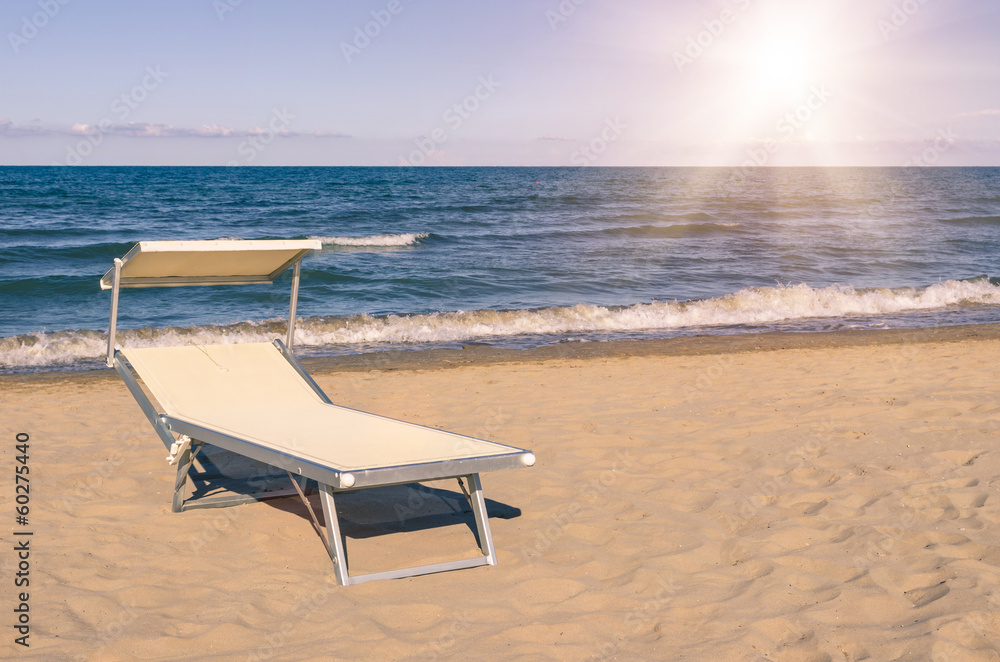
809	504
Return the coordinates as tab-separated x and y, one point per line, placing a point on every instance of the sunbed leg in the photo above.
302	495
183	467
335	541
482	519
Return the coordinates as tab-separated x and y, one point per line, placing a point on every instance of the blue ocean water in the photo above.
420	257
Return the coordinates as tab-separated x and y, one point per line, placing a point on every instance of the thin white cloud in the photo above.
150	130
561	139
981	113
8	128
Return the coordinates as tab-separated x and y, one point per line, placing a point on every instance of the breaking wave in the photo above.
753	306
408	239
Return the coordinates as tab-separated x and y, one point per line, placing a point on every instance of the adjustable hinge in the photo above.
178	448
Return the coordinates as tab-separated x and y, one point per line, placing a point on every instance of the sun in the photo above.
777	68
780	51
782	66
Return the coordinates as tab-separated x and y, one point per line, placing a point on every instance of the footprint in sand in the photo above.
813	476
919	589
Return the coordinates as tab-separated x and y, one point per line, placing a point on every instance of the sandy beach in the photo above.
750	498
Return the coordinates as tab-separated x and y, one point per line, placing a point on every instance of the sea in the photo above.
416	258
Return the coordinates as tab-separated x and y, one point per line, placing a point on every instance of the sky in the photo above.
518	82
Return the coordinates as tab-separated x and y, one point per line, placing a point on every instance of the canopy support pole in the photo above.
294	305
114	312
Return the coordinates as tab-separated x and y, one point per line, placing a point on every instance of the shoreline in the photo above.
472	354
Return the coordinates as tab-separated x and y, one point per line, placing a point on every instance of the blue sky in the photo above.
519	82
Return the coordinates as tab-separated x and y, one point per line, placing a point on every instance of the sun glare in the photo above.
777	75
782	66
784	51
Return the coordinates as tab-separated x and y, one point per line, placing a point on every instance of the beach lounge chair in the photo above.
256	400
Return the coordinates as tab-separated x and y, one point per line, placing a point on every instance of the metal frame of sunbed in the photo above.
179	263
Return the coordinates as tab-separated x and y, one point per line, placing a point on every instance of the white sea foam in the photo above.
751	306
39	350
407	239
69	348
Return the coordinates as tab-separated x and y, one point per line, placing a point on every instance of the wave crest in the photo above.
750	306
407	239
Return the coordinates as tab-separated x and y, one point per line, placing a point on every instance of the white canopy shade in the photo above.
218	262
214	262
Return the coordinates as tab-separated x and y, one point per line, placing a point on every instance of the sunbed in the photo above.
255	399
